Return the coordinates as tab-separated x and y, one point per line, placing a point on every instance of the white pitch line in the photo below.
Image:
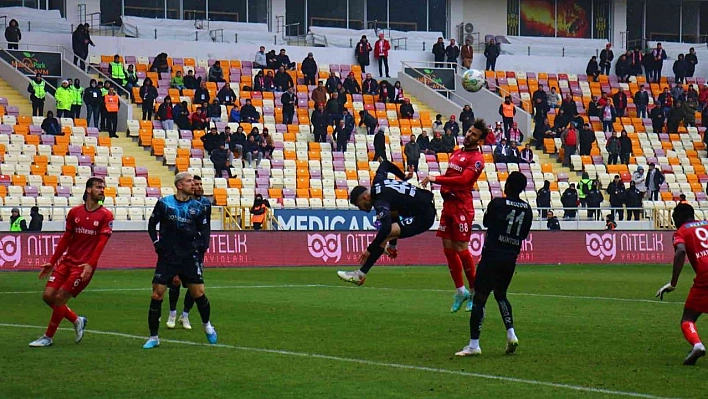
218	287
375	363
283	286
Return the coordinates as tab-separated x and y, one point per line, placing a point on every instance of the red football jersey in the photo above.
461	161
694	235
86	227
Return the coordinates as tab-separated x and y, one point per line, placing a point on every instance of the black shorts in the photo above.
189	271
417	224
494	273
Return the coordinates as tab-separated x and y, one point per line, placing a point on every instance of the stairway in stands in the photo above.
141	155
17	99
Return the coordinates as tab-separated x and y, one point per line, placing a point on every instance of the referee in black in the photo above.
508	222
183	225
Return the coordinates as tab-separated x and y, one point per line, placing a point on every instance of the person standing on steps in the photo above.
38	93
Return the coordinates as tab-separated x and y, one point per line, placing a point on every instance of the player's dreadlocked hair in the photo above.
515	184
683	213
482	126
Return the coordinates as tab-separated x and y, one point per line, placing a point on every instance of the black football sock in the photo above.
505	310
173	296
393	242
476	318
154	316
374	255
204	308
188	302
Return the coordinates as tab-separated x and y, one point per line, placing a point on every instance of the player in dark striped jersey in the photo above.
508	222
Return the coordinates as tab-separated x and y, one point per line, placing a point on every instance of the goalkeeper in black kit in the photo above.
508	222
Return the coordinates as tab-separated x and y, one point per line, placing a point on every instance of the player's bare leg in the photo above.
368	259
204	308
57	300
688	326
154	314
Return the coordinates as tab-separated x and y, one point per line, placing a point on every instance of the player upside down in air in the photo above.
403	211
464	168
173	294
75	258
690	240
183	224
508	222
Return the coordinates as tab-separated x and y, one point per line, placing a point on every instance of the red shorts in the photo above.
697	299
456	223
68	277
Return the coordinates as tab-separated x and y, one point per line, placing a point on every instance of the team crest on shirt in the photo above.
462	218
462	159
76	220
95	223
192	212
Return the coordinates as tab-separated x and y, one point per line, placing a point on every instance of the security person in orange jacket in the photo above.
258	211
507	110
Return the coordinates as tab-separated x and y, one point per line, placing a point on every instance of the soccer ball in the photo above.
473	80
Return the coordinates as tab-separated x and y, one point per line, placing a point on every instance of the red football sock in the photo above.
69	314
57	316
690	332
468	266
455	266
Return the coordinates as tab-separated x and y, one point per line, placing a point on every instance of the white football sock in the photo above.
474	343
207	325
185	315
510	334
461	290
173	313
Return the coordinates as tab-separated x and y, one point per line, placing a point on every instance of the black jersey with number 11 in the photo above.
508	222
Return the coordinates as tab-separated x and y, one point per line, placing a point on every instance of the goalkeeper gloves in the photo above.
664	290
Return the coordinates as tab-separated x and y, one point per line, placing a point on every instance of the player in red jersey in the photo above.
690	240
75	258
463	170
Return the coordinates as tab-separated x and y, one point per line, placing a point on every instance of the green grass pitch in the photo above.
585	331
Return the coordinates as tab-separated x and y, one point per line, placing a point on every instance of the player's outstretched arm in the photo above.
451	181
679	260
387	167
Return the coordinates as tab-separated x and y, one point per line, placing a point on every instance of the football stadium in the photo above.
312	199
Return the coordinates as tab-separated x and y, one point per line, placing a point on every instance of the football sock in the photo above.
70	315
374	255
173	296
204	308
55	320
154	315
476	318
188	304
468	266
690	332
173	313
393	243
461	290
510	333
505	311
474	343
455	266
